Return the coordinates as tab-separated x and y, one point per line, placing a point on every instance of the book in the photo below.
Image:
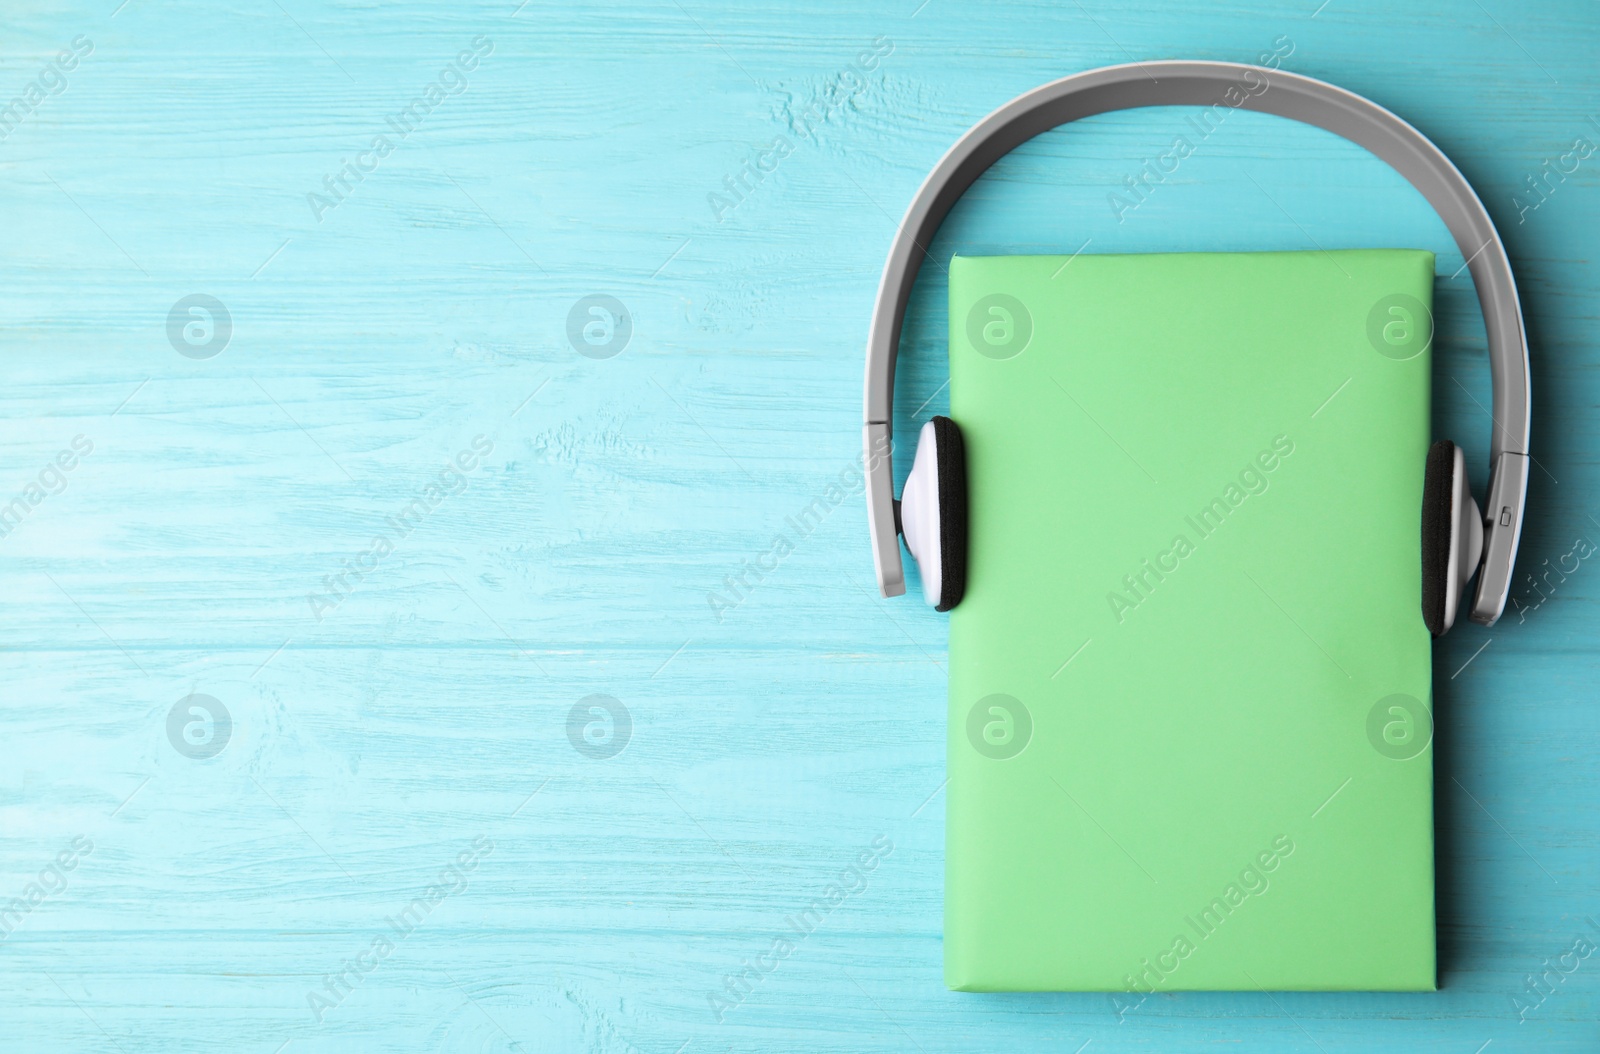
1190	712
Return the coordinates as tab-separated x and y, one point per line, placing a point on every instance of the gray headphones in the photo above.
1457	539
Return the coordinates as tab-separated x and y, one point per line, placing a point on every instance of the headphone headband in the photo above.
1181	83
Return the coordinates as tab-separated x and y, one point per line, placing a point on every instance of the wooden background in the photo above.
769	738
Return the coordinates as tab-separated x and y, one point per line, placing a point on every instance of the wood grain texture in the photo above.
770	741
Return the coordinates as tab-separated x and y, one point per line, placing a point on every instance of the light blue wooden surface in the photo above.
425	715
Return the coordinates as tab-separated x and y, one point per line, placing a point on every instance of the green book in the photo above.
1190	733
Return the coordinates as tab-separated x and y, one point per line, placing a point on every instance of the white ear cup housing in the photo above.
919	513
933	512
1466	539
1452	536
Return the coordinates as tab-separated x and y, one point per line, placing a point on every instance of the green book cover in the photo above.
1190	734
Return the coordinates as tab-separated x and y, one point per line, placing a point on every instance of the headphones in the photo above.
1457	539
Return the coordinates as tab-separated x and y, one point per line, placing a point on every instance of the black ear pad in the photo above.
952	463
1438	523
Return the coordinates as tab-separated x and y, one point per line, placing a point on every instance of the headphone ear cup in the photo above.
1452	536
933	512
952	512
